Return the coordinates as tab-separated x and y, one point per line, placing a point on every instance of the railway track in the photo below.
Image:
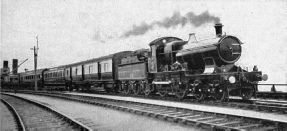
234	102
273	93
31	115
206	120
12	119
272	106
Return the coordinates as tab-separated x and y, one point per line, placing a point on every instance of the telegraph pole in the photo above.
35	64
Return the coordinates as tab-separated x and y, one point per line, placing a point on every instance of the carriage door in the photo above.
99	71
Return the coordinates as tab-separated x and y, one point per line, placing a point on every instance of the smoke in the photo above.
100	37
173	21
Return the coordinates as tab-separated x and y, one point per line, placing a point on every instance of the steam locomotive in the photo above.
172	66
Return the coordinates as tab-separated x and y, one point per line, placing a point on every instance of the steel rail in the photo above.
18	119
58	113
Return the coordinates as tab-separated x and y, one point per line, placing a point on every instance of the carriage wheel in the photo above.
127	88
199	93
220	94
246	93
163	92
137	89
181	94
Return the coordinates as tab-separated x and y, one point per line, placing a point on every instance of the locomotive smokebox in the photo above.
218	29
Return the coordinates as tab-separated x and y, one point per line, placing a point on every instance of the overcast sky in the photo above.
74	30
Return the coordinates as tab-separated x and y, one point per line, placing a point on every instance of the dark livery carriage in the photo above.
172	66
99	72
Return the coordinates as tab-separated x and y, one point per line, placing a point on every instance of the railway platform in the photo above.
224	110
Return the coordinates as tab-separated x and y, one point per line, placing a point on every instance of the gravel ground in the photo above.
100	118
7	120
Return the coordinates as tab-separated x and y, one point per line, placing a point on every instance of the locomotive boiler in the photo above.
199	56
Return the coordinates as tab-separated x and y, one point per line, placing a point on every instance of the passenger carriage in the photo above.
99	73
27	79
54	78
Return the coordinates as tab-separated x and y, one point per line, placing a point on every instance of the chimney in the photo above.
218	29
5	64
14	66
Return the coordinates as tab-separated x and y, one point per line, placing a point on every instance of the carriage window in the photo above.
106	67
95	68
76	71
61	74
79	70
90	69
153	49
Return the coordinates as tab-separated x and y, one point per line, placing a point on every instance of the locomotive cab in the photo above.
159	59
